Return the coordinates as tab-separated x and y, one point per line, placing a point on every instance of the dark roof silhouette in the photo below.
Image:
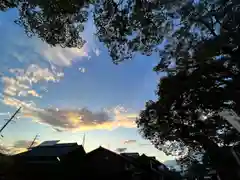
138	161
54	150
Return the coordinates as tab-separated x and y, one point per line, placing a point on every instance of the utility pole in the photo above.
9	120
35	138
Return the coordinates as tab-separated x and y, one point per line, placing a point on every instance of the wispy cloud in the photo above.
17	46
21	81
14	102
4	149
62	56
130	141
39	61
24	144
17	147
34	73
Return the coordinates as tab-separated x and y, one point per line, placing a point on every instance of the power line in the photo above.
11	118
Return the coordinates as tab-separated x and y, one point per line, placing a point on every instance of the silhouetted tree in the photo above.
130	26
187	111
6	4
56	22
127	27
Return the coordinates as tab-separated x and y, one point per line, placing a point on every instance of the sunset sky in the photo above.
65	93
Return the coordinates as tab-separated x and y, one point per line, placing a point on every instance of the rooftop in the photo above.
53	150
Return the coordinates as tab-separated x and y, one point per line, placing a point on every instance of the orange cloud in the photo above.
81	119
74	119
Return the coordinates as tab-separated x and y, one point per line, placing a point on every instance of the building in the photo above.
105	164
51	159
69	161
52	154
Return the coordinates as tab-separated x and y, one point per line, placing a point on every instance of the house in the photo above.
151	165
52	154
51	159
103	163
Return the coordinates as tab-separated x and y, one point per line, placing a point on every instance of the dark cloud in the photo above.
120	150
70	119
24	143
80	119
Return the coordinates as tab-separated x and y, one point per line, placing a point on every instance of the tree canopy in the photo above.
202	82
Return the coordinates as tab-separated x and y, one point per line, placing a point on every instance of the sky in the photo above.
66	93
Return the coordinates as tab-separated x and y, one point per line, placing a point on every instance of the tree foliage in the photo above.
203	81
57	22
130	26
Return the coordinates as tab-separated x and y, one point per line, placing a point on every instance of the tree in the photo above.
187	110
57	22
202	82
5	4
127	27
142	25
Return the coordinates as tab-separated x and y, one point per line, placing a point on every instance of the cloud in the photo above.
13	102
80	119
121	150
17	46
33	93
4	149
17	147
22	81
41	64
30	52
97	52
82	70
20	146
74	119
145	144
12	87
24	144
34	74
62	56
130	141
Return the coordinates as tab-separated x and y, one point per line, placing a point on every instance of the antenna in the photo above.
34	140
11	118
83	141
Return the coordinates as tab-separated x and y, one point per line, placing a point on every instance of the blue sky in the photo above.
68	92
